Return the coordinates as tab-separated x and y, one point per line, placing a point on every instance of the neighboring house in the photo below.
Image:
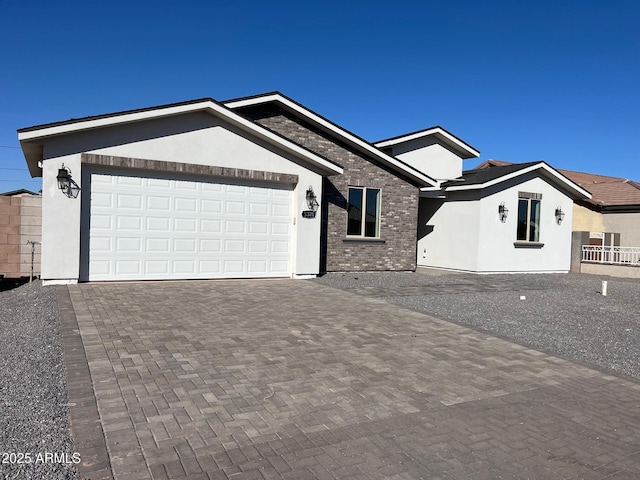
20	232
613	208
204	189
504	219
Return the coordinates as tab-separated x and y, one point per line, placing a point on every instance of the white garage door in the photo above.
145	228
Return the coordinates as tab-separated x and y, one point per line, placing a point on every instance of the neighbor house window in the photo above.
529	217
363	212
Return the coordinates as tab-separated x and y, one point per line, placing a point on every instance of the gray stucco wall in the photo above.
399	210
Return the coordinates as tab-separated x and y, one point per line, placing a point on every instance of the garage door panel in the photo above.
156	267
158	203
186	205
211	226
158	224
100	244
158	228
129	201
211	206
133	244
128	267
158	245
210	246
129	223
280	210
185	225
280	228
102	199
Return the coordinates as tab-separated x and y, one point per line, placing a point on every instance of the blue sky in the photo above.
520	81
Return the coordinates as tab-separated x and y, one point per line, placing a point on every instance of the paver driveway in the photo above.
291	379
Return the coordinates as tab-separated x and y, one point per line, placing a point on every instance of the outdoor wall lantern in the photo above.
312	200
559	215
65	183
503	212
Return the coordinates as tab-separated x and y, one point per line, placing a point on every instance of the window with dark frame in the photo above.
363	212
528	217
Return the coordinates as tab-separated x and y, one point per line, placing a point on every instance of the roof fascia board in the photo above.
325	124
105	121
560	179
209	106
438	131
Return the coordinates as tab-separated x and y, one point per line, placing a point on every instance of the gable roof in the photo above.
20	191
463	149
607	192
477	179
31	138
334	129
492	163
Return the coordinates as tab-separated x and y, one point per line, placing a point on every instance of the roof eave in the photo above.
327	125
463	149
31	138
577	191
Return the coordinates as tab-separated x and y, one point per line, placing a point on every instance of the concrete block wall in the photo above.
399	210
20	220
30	230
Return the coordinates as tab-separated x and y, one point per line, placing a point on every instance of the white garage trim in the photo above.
155	226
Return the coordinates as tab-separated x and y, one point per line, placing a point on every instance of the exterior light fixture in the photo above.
64	178
66	184
312	200
559	215
312	204
503	212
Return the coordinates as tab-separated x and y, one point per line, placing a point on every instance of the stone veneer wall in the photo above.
399	206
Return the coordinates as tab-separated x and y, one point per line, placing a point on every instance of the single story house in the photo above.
259	186
252	187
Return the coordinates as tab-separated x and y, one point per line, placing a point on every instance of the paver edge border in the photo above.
86	427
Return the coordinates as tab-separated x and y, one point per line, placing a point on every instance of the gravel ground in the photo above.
34	416
562	314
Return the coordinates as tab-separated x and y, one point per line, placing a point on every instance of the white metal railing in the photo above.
611	255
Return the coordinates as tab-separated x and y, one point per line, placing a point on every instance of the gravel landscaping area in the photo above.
562	314
35	440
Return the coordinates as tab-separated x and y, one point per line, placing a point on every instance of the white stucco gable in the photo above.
434	151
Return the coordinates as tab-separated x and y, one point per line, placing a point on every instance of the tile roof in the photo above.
607	191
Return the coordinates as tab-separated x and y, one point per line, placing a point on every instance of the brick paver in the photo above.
288	379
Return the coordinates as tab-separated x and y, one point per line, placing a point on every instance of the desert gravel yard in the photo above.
35	442
562	314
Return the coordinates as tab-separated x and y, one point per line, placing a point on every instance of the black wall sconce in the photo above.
503	212
312	200
559	215
66	184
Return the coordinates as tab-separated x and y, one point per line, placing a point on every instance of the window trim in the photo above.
363	209
529	198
